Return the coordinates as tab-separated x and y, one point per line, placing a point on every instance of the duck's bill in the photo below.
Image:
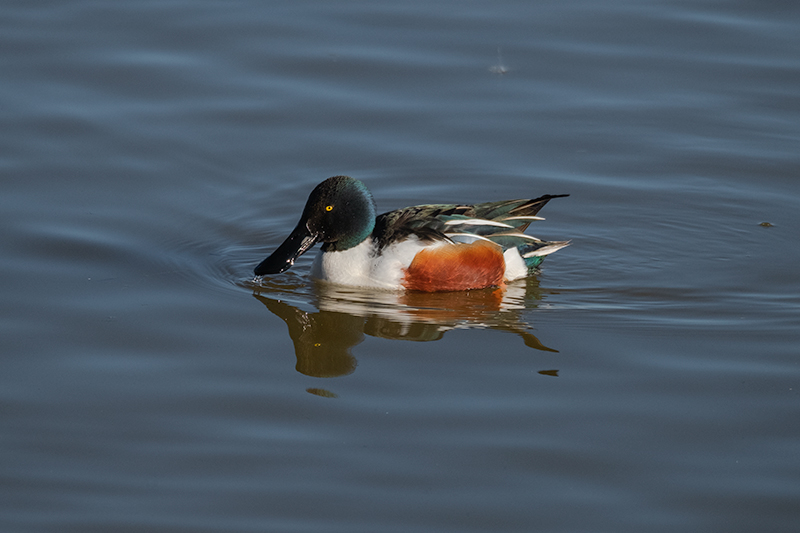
284	257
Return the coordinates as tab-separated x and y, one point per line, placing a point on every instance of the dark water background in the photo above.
152	152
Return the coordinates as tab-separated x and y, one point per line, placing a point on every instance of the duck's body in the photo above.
442	247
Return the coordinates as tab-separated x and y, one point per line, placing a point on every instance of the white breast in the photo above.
360	266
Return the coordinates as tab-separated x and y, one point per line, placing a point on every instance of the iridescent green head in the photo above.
340	212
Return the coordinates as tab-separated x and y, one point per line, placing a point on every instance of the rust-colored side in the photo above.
456	267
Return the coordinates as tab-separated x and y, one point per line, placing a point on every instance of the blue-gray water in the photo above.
647	379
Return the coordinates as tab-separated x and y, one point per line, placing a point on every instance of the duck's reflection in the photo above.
323	338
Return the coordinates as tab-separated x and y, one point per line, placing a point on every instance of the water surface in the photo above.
646	379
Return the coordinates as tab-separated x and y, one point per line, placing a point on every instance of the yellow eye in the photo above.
328	208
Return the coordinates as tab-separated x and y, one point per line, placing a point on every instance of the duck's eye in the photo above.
328	208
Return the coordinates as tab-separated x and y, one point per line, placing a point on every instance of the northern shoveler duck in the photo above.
438	247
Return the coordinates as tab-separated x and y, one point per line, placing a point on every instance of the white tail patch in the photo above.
515	265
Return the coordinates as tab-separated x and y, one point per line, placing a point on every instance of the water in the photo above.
153	153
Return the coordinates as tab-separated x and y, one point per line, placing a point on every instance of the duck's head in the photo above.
340	212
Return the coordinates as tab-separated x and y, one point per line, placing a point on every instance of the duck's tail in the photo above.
533	255
516	213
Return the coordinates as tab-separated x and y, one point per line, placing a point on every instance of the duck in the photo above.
427	248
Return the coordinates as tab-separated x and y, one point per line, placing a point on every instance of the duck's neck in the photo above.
350	241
